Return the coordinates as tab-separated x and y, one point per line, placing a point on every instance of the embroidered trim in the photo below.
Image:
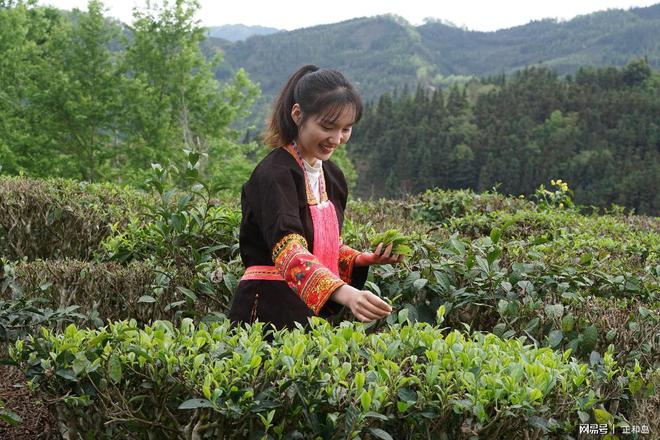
285	241
294	150
347	257
269	273
304	273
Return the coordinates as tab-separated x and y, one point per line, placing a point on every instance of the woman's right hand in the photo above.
364	305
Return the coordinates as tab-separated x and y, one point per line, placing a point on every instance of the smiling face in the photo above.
320	135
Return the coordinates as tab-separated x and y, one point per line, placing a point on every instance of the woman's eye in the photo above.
344	130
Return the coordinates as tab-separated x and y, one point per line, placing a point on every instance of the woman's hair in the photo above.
319	92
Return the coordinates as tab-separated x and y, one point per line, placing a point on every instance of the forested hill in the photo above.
237	32
381	53
597	129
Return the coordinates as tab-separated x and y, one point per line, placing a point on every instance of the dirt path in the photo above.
38	422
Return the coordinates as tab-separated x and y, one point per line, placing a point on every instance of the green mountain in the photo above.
385	52
237	32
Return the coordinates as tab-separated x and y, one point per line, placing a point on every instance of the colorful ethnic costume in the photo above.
290	243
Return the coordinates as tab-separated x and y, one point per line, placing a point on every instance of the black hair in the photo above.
319	92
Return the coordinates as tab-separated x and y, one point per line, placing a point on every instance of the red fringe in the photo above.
326	235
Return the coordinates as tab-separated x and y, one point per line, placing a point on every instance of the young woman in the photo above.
293	209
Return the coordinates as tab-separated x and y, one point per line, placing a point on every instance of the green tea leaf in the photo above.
440	315
196	403
114	368
554	310
67	374
403	315
602	416
376	415
495	235
499	329
611	334
380	433
407	395
532	324
365	400
188	293
555	337
10	417
493	255
502	305
420	283
359	380
589	339
584	417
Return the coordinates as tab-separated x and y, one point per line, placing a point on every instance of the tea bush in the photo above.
110	291
59	218
409	381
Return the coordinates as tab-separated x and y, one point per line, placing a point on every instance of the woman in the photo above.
293	209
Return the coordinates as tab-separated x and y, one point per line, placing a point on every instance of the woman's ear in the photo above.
296	114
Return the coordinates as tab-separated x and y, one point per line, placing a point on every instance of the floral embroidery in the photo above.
285	241
347	258
303	272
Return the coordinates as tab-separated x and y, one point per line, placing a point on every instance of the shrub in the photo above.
183	229
410	381
110	291
22	314
481	287
59	218
437	206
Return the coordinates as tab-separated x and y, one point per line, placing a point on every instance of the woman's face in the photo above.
318	139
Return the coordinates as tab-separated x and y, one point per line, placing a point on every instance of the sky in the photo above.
481	15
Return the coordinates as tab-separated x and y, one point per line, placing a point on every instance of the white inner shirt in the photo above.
313	173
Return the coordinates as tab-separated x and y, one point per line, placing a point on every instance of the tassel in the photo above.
326	235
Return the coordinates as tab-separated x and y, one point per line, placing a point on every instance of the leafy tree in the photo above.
85	94
82	97
172	97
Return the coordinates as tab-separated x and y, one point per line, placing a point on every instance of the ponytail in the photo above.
318	92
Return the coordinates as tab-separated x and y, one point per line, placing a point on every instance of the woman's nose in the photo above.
335	138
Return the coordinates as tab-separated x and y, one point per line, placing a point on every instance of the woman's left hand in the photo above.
378	257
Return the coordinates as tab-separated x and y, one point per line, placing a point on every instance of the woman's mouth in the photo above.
326	149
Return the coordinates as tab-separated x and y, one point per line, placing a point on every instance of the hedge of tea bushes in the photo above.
570	255
110	255
568	231
99	292
510	287
558	306
408	381
569	237
59	218
531	277
476	215
175	236
439	206
552	276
